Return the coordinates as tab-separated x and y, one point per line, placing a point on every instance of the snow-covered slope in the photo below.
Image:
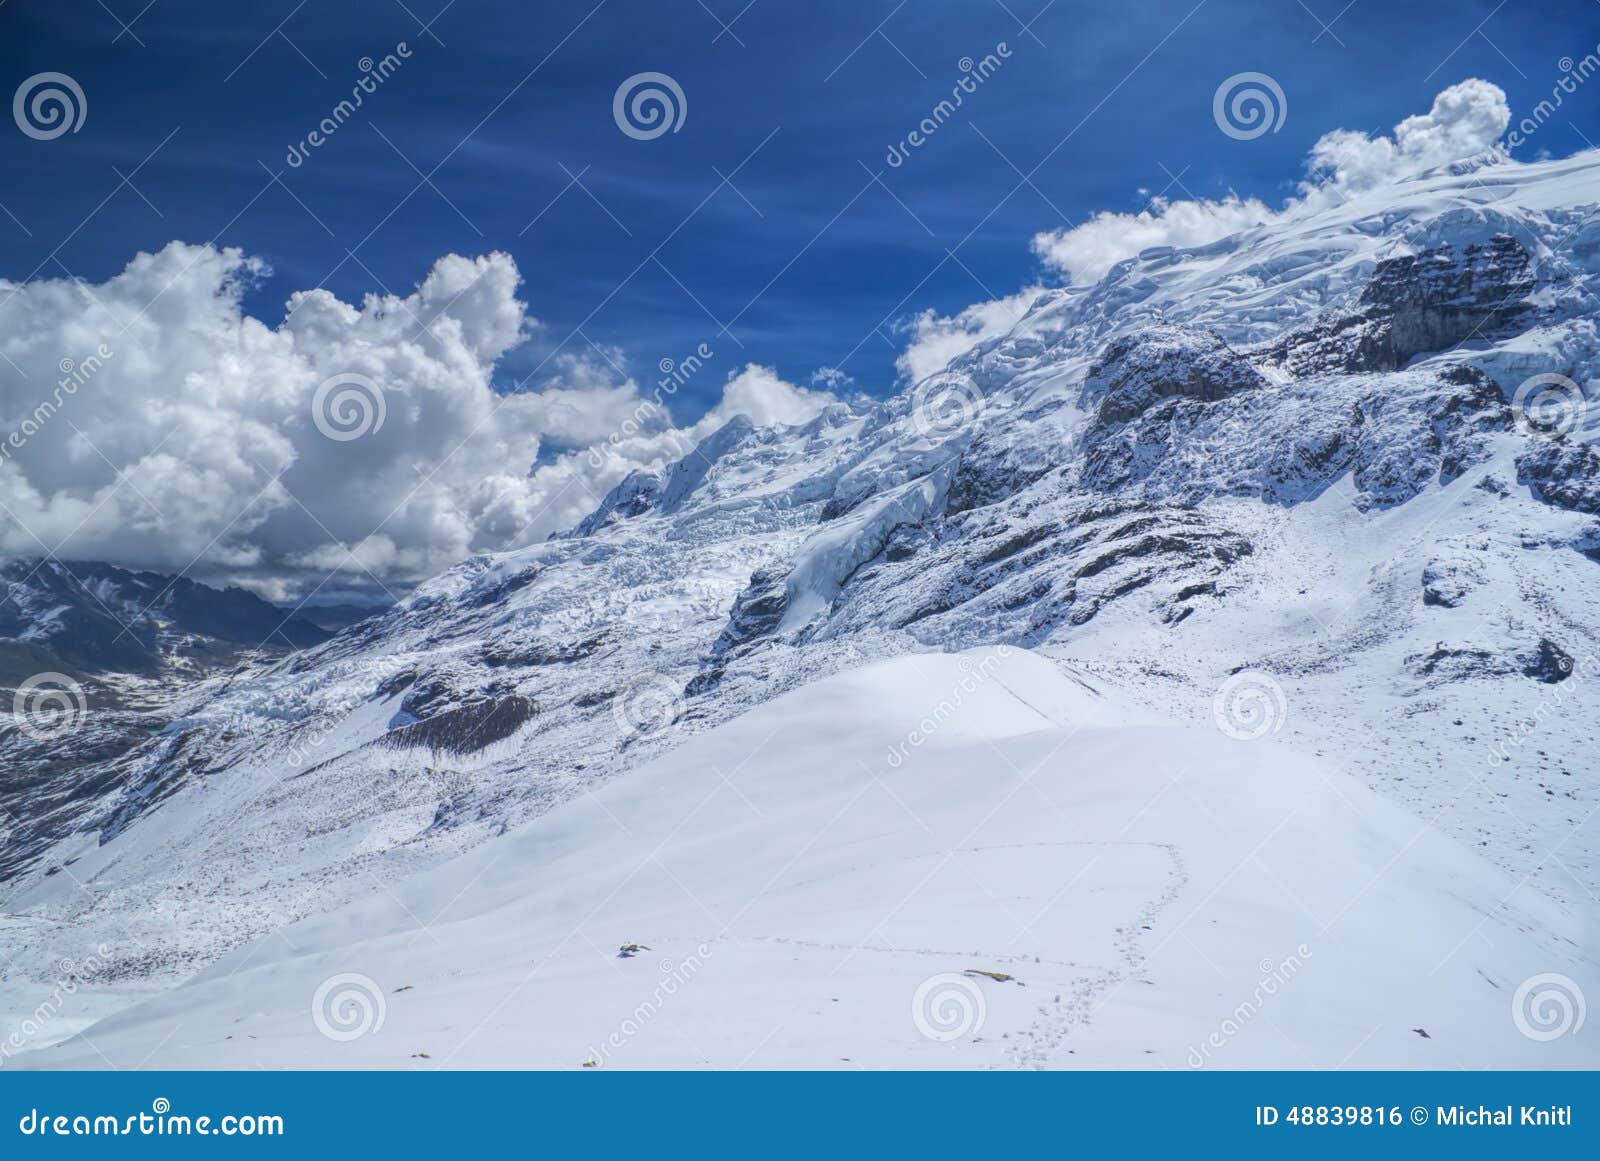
1314	460
90	657
1140	895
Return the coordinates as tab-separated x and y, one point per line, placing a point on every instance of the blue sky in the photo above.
805	258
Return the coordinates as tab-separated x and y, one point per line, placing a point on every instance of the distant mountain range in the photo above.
85	618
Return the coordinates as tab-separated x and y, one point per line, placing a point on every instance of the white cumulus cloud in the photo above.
936	339
1466	120
1086	252
149	421
767	399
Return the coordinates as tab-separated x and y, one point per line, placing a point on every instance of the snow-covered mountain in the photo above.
86	618
1330	479
90	657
